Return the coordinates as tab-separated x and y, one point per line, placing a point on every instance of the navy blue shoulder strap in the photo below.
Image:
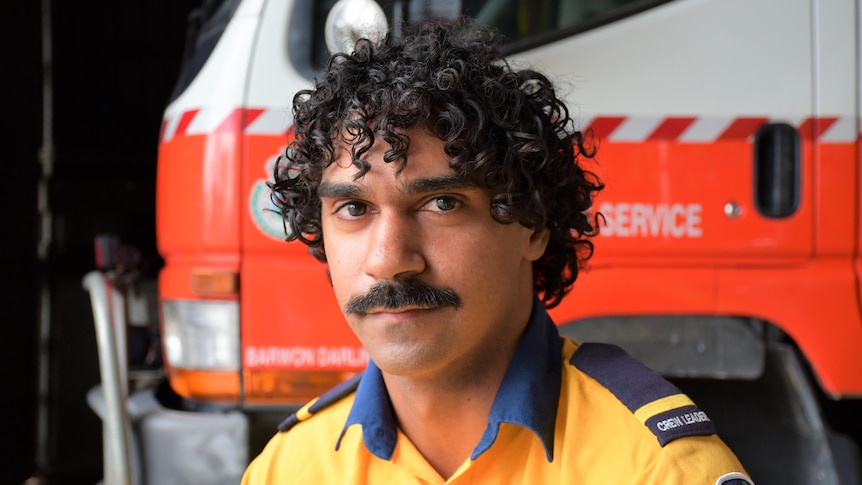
654	401
325	400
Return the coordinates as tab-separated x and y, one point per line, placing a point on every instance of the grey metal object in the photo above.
681	346
170	447
117	434
144	442
193	448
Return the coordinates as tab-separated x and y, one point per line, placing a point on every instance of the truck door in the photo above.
295	342
678	96
836	106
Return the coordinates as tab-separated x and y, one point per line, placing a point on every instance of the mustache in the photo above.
396	295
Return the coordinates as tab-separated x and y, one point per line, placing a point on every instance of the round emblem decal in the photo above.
261	208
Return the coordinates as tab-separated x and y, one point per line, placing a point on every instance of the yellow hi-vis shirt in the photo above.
564	413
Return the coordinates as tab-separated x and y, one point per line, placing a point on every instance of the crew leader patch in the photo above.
659	405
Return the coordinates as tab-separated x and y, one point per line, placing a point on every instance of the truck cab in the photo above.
728	140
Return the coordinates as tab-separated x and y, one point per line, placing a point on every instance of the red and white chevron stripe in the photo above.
623	129
691	129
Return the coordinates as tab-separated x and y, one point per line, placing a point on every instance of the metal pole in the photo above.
117	427
46	162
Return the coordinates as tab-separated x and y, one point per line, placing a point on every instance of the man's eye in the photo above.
353	209
443	204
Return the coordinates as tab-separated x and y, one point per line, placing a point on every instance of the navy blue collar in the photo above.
528	395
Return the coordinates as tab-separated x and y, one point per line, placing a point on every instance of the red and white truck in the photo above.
730	262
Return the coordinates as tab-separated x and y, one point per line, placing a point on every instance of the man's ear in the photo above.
538	243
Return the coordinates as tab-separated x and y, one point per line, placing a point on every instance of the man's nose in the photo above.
394	247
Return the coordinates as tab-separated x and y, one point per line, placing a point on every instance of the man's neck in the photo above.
445	415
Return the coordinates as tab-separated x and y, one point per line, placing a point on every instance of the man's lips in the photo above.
397	310
397	315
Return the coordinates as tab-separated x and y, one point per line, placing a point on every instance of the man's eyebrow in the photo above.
334	190
452	181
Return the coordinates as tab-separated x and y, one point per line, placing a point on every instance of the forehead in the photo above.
425	157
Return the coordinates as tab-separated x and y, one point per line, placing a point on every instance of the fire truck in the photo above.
729	261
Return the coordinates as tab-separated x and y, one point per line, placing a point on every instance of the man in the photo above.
443	190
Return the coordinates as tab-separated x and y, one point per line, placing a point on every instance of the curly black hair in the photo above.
504	129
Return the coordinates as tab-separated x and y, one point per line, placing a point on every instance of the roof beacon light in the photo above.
351	20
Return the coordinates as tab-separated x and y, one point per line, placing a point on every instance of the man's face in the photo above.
425	228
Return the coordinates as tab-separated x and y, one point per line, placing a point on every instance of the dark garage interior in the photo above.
100	90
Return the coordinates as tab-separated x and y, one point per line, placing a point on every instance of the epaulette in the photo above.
325	400
654	401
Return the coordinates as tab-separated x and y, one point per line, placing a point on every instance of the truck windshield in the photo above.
524	23
205	25
529	23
